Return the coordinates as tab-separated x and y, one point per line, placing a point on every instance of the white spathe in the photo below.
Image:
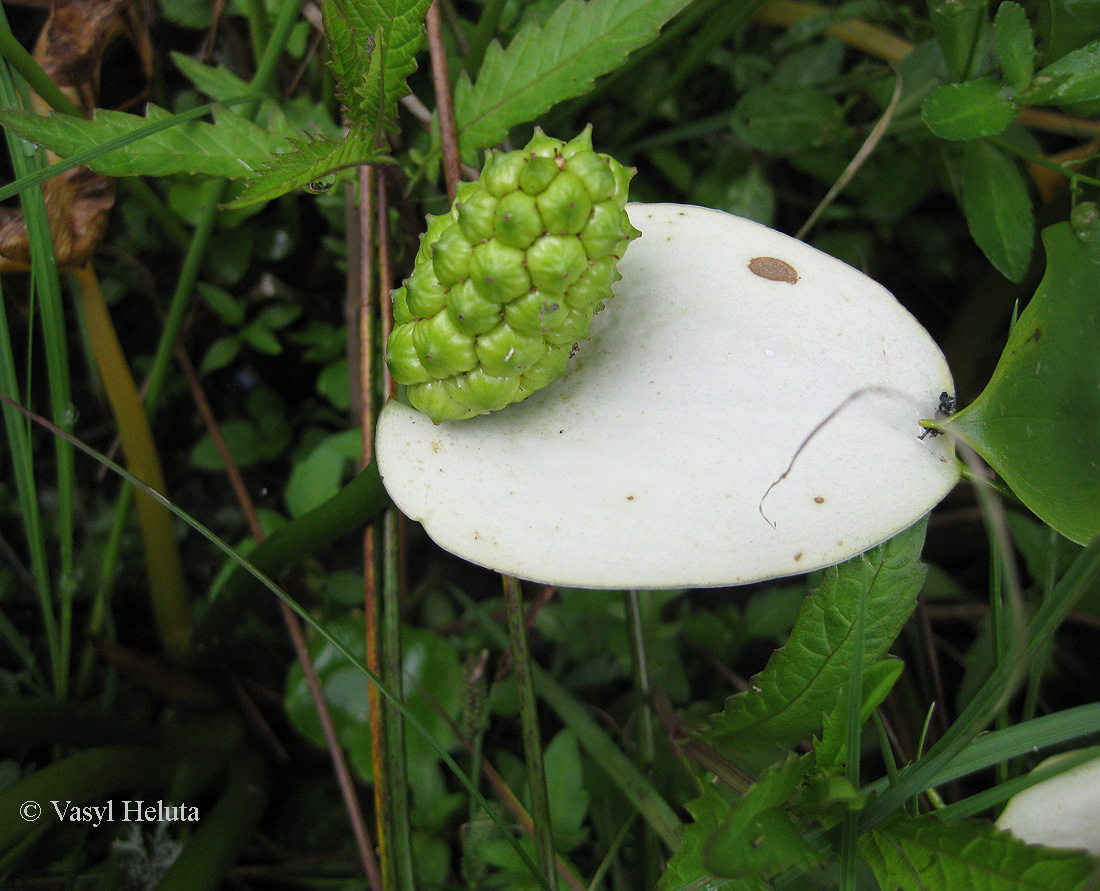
1062	812
647	466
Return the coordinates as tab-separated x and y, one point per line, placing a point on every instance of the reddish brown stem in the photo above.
294	630
448	133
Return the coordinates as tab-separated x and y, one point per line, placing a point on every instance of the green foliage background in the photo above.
237	231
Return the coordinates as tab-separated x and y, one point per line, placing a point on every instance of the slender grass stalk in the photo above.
532	738
639	661
20	450
46	291
931	769
47	288
638	790
849	834
396	765
23	62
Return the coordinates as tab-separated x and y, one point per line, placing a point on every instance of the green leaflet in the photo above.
970	110
1015	44
917	853
544	65
231	147
801	681
1037	422
997	207
374	45
311	166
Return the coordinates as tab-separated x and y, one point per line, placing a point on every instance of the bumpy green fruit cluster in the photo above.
507	282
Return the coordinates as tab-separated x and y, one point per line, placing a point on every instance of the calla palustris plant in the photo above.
747	407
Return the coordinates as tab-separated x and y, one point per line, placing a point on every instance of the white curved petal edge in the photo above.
1062	812
724	348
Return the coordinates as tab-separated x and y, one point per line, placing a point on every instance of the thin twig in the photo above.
294	630
448	133
362	284
869	145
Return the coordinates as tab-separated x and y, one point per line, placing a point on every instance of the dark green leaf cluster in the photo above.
507	282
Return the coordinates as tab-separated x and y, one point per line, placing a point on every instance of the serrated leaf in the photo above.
918	853
310	167
373	45
1037	422
1015	44
231	147
998	208
970	110
546	64
802	679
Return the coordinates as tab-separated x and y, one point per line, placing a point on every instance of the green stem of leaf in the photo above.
1065	170
399	873
532	738
23	62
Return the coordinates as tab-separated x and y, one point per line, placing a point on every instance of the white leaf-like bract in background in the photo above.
1061	812
664	458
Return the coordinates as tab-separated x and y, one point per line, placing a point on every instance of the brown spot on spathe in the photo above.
773	269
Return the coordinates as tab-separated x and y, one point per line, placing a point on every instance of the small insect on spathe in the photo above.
945	409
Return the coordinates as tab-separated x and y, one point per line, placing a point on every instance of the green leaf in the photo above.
998	210
222	351
433	678
373	45
230	147
219	83
228	308
970	110
1015	44
545	64
786	119
1073	80
801	681
757	836
566	789
323	471
1037	422
310	166
918	853
685	867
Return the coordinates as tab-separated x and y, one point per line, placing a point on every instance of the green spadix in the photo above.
747	408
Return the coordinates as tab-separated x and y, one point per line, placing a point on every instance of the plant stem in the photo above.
448	133
532	739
